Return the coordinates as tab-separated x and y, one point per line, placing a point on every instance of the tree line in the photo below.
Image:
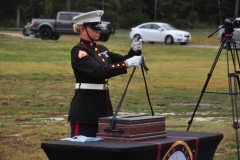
124	13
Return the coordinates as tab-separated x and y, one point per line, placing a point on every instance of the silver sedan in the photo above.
160	32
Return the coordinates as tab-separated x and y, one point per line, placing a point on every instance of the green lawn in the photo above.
37	85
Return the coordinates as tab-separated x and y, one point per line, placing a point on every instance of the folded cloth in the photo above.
81	138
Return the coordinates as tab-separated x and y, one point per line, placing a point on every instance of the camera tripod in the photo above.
233	81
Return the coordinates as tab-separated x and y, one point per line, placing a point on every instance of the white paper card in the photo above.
81	138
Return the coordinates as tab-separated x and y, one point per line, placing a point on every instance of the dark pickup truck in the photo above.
63	24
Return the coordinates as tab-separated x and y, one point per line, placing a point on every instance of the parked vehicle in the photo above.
63	24
27	30
236	34
160	32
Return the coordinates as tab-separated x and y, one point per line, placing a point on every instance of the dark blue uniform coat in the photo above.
93	63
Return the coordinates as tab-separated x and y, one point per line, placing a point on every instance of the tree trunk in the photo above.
31	5
18	16
192	6
68	5
103	5
155	10
219	10
236	8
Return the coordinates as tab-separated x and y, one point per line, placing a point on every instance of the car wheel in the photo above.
137	36
55	37
45	34
169	40
24	32
183	43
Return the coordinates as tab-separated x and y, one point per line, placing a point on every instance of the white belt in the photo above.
91	86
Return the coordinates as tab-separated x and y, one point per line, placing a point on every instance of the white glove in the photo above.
134	61
136	44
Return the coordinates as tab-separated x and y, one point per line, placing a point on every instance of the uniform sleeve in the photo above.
88	63
115	57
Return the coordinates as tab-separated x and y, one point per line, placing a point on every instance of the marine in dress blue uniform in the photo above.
93	64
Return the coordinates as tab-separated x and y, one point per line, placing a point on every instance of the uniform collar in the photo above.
87	43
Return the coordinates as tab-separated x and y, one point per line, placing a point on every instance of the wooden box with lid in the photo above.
132	127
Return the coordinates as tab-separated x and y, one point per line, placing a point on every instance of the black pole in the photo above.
120	102
145	82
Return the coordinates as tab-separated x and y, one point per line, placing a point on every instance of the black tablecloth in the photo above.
202	146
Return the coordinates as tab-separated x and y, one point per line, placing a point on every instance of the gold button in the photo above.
113	66
103	60
99	54
95	49
123	64
118	65
106	80
91	44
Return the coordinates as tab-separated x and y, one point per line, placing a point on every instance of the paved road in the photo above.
202	46
188	45
16	35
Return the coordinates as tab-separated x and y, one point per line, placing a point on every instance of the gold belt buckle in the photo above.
106	86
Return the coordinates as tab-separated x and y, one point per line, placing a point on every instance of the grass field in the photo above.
37	85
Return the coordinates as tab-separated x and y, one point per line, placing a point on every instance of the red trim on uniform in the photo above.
113	66
77	126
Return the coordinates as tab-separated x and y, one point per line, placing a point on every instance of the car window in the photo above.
146	26
74	15
64	16
168	27
155	26
67	16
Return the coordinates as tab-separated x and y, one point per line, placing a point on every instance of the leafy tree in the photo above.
124	13
131	13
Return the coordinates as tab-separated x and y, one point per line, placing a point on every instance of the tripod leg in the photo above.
235	48
233	80
234	92
235	52
206	83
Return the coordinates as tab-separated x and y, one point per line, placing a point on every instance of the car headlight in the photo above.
178	34
187	35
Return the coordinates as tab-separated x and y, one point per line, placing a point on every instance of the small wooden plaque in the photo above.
132	127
